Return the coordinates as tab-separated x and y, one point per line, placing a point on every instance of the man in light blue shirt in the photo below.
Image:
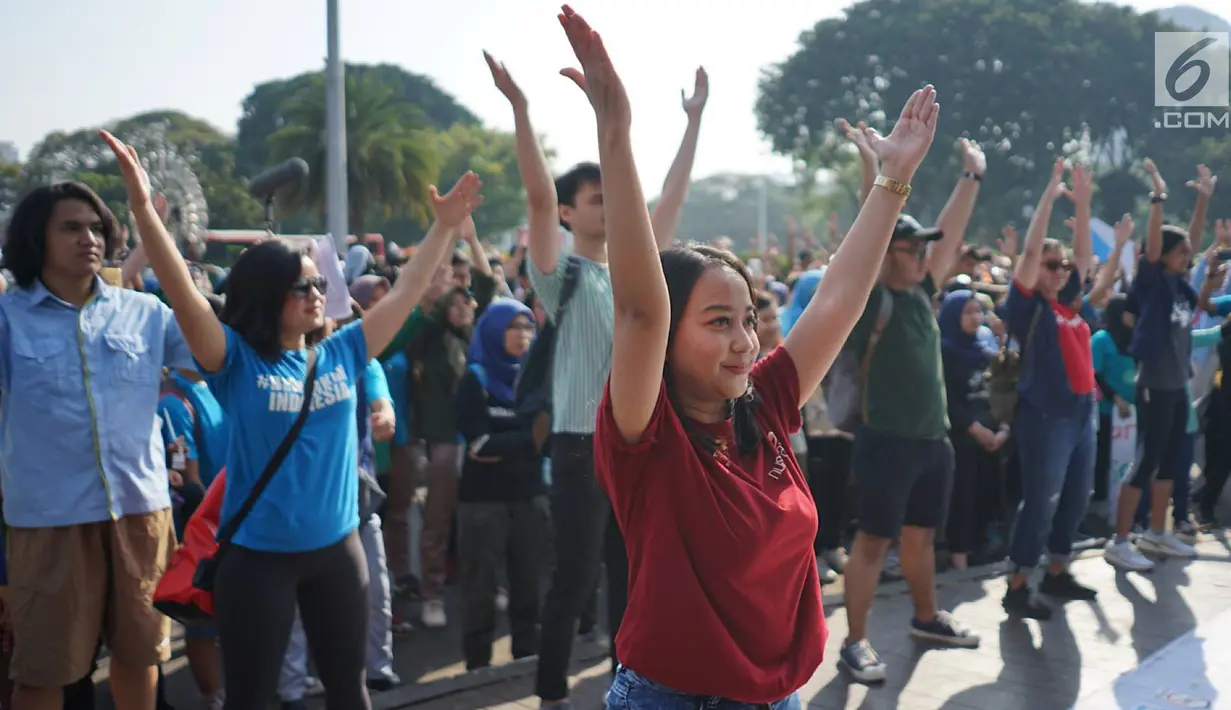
82	465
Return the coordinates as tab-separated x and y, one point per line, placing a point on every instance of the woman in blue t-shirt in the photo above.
299	542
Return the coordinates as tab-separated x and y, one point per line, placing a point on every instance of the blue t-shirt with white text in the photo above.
312	500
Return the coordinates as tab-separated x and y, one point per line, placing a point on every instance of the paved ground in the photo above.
1021	665
1026	665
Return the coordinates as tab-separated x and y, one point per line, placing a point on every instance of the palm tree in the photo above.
391	153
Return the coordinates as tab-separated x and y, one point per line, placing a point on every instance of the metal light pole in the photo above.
763	215
335	136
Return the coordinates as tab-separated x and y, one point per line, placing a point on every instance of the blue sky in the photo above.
75	63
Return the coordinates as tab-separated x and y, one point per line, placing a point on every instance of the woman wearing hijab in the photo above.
1115	373
503	509
973	431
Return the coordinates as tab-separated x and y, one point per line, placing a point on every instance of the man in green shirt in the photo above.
901	458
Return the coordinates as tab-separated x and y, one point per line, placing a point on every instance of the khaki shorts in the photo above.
70	586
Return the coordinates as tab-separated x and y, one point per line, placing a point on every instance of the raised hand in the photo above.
1007	244
504	81
1124	230
1156	180
455	207
695	104
973	159
1082	192
1205	182
904	148
136	180
1222	232
856	135
1055	186
598	76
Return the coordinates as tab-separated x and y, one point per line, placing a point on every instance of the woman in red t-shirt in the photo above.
691	442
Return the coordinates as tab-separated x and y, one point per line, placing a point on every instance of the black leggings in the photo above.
1162	421
829	475
254	600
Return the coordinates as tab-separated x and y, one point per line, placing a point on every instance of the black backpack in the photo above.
533	387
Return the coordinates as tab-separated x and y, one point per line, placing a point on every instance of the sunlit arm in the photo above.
666	215
543	241
383	320
638	287
1083	247
202	330
1196	226
952	223
820	332
130	270
1026	270
1105	282
869	168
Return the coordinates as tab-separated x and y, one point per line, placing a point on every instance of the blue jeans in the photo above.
1057	461
632	691
1180	491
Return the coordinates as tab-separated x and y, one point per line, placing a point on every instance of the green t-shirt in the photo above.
906	381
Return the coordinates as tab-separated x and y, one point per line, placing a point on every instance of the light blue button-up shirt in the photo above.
79	432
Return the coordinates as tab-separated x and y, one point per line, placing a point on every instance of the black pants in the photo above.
491	535
1217	450
1102	458
976	496
580	514
254	598
829	473
1162	421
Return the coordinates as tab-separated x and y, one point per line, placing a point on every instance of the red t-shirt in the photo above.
724	598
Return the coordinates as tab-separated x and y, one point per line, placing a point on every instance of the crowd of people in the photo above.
716	440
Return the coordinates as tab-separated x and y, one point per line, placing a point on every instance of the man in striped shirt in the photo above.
585	534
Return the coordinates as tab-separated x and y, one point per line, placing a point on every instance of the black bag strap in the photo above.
571	274
228	530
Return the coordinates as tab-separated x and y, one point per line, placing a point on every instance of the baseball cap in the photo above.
976	253
909	228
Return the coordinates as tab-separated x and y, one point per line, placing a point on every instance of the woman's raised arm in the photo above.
819	333
202	330
384	319
642	306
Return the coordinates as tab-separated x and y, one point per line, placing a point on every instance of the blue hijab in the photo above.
487	349
954	341
805	289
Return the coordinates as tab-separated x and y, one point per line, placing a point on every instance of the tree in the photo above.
493	156
392	156
82	156
10	188
1028	80
264	110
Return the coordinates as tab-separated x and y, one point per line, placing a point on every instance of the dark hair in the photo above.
257	288
459	259
765	299
1172	236
494	261
569	184
682	267
25	237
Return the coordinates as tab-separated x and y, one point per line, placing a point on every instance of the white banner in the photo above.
1123	454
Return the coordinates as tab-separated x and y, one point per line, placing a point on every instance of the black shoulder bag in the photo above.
203	577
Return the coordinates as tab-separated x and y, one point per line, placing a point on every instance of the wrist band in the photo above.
897	187
1157	198
974	176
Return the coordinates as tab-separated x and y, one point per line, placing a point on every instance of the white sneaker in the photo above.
434	614
835	558
313	687
502	600
215	700
1165	543
1125	556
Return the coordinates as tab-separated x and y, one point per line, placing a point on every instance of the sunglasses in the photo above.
917	250
1054	266
303	285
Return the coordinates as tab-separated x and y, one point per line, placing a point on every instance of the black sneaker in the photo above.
1022	602
944	629
384	682
1065	586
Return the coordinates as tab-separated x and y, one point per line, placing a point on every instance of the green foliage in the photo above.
392	155
10	187
1029	80
493	156
264	110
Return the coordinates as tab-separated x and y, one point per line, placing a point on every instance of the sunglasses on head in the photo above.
304	284
1057	265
